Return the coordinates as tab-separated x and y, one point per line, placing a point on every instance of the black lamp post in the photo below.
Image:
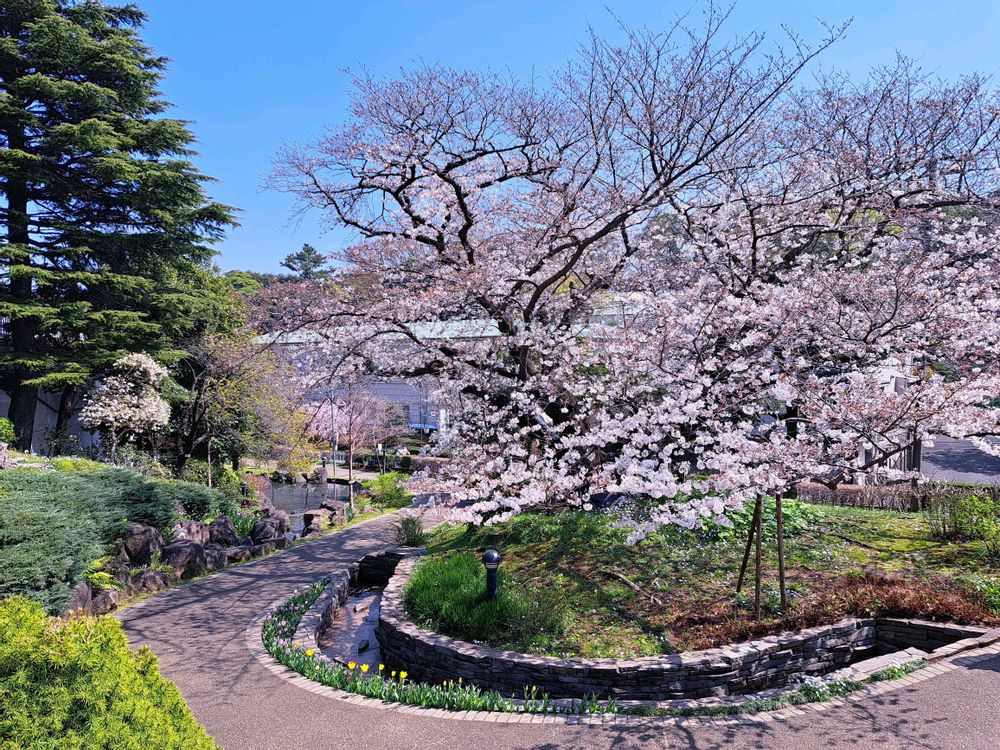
491	561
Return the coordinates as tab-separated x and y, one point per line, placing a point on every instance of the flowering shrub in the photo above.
127	402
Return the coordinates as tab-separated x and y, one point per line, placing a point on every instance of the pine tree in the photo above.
309	263
105	229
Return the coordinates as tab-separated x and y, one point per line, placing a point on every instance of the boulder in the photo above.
106	601
215	557
281	516
222	531
80	600
338	511
259	550
142	543
187	558
238	553
268	529
149	582
192	531
121	572
315	521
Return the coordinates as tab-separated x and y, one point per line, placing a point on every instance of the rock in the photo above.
215	557
187	558
192	531
222	531
106	601
80	600
122	573
238	553
149	582
316	521
268	529
338	511
300	478
259	550
142	542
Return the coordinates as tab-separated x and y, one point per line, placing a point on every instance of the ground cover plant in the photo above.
675	590
53	525
75	684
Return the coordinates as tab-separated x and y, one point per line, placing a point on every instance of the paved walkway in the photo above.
197	630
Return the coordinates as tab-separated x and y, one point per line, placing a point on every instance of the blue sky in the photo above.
250	74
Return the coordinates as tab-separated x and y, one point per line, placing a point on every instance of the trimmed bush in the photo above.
75	684
448	595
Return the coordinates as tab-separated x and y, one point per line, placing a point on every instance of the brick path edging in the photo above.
943	664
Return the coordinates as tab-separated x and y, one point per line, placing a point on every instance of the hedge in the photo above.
74	684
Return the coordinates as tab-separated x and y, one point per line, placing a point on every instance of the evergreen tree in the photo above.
309	263
105	229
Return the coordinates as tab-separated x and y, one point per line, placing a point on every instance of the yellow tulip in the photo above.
309	652
381	667
364	668
402	675
352	664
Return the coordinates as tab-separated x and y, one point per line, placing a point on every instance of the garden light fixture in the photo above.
491	561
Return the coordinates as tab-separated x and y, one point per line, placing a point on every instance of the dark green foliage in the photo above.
308	263
106	229
448	595
54	524
386	490
75	684
408	531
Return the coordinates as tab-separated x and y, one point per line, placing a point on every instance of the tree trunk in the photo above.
781	552
750	537
350	476
23	401
67	400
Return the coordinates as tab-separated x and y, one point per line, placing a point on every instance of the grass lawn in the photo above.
680	589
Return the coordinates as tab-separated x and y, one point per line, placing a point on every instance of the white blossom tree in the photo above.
127	402
669	273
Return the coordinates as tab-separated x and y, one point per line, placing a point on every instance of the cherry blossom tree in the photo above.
669	273
127	403
355	417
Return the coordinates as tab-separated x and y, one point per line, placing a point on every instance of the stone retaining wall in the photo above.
899	633
740	668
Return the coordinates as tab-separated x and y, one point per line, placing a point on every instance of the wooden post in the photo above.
756	589
781	552
746	551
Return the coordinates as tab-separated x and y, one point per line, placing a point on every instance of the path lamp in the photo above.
491	561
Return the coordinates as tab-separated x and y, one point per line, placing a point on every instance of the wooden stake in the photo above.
746	552
756	589
781	552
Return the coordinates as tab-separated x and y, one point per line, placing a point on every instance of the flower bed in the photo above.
278	632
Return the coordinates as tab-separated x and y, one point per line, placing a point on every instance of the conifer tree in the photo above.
105	228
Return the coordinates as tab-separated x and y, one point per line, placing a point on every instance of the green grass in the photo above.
448	594
683	582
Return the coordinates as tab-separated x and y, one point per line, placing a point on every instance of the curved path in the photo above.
197	630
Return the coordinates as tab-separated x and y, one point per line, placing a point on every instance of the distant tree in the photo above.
105	229
309	263
127	403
